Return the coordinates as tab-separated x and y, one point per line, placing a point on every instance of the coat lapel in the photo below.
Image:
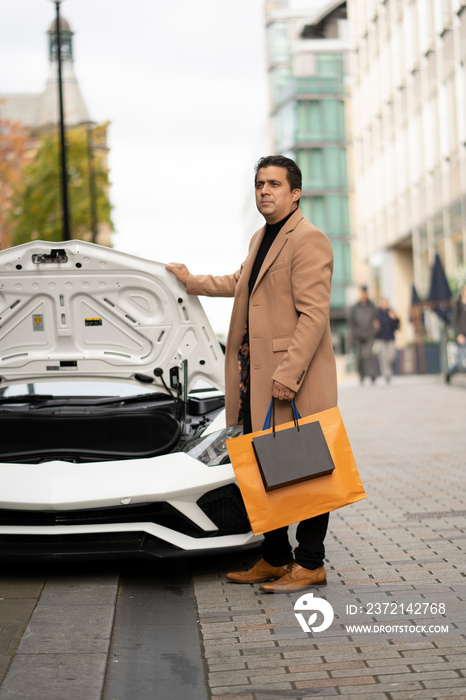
249	262
276	246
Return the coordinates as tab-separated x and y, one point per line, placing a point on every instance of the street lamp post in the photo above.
92	192
64	171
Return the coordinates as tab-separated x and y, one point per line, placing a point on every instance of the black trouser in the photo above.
310	533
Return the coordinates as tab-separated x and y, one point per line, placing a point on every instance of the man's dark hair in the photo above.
293	173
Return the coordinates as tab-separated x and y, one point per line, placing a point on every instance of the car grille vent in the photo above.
159	513
134	538
107	545
225	507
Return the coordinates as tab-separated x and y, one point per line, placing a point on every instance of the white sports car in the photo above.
111	411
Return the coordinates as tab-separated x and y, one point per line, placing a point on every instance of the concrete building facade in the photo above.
409	133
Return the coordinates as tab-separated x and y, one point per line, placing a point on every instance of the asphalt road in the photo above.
114	631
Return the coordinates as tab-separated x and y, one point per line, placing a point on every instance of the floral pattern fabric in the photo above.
244	370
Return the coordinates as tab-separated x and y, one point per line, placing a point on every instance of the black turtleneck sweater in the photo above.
271	231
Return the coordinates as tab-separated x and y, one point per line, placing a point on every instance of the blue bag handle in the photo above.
270	417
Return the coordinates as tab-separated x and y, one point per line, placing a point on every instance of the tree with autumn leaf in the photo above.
37	210
13	157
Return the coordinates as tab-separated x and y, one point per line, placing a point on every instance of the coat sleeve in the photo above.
311	277
213	286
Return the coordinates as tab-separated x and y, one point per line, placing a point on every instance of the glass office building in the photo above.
309	96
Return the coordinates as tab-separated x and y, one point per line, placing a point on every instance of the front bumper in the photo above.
135	508
100	545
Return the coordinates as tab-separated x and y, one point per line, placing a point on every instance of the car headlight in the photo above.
212	449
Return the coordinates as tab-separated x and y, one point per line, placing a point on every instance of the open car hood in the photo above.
76	310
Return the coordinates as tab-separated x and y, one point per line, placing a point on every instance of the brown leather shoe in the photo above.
259	572
296	578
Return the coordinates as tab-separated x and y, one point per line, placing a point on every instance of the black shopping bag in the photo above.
292	455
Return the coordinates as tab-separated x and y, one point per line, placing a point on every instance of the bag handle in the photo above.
270	417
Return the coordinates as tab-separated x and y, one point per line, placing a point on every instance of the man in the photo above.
279	344
364	326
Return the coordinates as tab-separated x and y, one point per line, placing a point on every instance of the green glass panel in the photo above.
317	84
333	119
323	168
337	214
330	66
303	161
281	83
337	298
309	121
341	263
305	206
318	217
320	120
329	213
317	209
285	126
316	167
335	166
278	42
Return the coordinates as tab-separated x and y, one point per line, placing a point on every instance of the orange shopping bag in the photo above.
293	503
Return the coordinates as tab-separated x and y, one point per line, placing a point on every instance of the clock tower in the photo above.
66	41
75	111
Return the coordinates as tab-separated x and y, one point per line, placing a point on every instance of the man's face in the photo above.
274	197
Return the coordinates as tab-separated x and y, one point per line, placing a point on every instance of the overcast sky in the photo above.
184	85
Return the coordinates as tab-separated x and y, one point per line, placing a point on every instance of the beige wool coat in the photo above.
289	329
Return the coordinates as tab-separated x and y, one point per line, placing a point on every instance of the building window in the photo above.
323	168
328	212
337	214
313	209
341	269
336	167
278	43
321	120
281	84
311	163
330	65
285	127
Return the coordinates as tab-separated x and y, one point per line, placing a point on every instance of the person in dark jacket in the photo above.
389	323
364	325
459	326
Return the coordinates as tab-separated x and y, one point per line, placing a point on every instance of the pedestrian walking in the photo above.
389	323
279	344
364	325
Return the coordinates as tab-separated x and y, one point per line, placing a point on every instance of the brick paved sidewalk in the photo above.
396	564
